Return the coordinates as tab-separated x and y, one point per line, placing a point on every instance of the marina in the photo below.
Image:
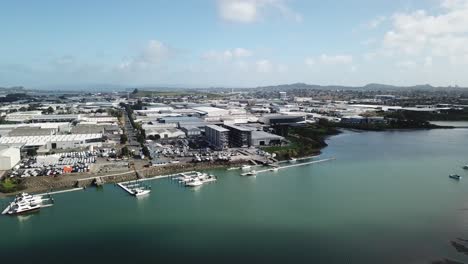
26	203
314	200
135	188
286	166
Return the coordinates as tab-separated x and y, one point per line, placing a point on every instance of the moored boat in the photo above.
140	192
19	208
250	173
455	176
246	167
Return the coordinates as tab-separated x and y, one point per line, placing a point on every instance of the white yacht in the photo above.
27	198
140	192
246	167
292	159
250	173
22	208
274	169
194	183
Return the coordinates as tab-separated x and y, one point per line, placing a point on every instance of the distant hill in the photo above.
368	87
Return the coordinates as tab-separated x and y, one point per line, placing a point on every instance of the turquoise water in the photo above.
386	198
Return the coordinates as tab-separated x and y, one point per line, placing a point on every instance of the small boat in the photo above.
292	160
246	167
455	176
274	169
194	183
465	167
140	192
232	168
250	173
23	208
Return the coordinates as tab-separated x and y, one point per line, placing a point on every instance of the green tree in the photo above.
50	110
31	152
123	139
146	152
125	151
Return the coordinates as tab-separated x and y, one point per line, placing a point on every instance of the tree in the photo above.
135	91
123	139
31	152
50	110
146	152
125	151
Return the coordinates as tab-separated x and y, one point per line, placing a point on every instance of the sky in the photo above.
233	43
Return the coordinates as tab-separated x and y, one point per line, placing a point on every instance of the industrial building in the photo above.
53	141
239	136
281	119
9	157
262	138
191	131
165	133
218	137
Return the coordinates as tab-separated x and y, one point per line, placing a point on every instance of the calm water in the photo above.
386	198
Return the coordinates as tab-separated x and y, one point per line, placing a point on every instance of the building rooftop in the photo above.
218	128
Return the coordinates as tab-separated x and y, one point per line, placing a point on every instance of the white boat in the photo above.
22	208
140	192
27	198
274	169
232	168
246	167
250	173
194	183
292	160
465	167
24	203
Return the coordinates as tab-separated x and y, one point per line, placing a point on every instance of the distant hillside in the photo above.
368	87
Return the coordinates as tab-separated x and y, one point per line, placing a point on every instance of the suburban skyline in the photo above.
234	43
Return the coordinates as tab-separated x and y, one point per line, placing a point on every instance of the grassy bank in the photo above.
10	185
304	141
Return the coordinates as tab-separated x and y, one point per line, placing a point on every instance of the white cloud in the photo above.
453	4
336	59
418	33
153	54
428	61
227	55
309	61
406	64
264	66
248	11
376	22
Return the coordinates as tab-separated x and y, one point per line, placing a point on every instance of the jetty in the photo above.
292	165
135	188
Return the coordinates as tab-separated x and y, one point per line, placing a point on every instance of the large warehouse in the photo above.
9	157
53	141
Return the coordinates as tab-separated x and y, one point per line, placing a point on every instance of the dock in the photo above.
293	165
62	191
5	211
123	186
132	186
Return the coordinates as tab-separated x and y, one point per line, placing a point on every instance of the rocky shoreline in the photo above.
45	184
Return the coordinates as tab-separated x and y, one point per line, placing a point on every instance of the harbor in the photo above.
26	203
352	193
276	168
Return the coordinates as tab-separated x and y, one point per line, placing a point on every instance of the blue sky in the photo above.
233	43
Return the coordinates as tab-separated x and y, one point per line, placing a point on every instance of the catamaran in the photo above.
25	203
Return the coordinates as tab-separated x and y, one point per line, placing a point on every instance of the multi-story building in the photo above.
217	136
239	136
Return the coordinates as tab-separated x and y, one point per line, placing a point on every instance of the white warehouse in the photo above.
9	157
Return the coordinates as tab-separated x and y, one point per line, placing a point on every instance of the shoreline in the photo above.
153	173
